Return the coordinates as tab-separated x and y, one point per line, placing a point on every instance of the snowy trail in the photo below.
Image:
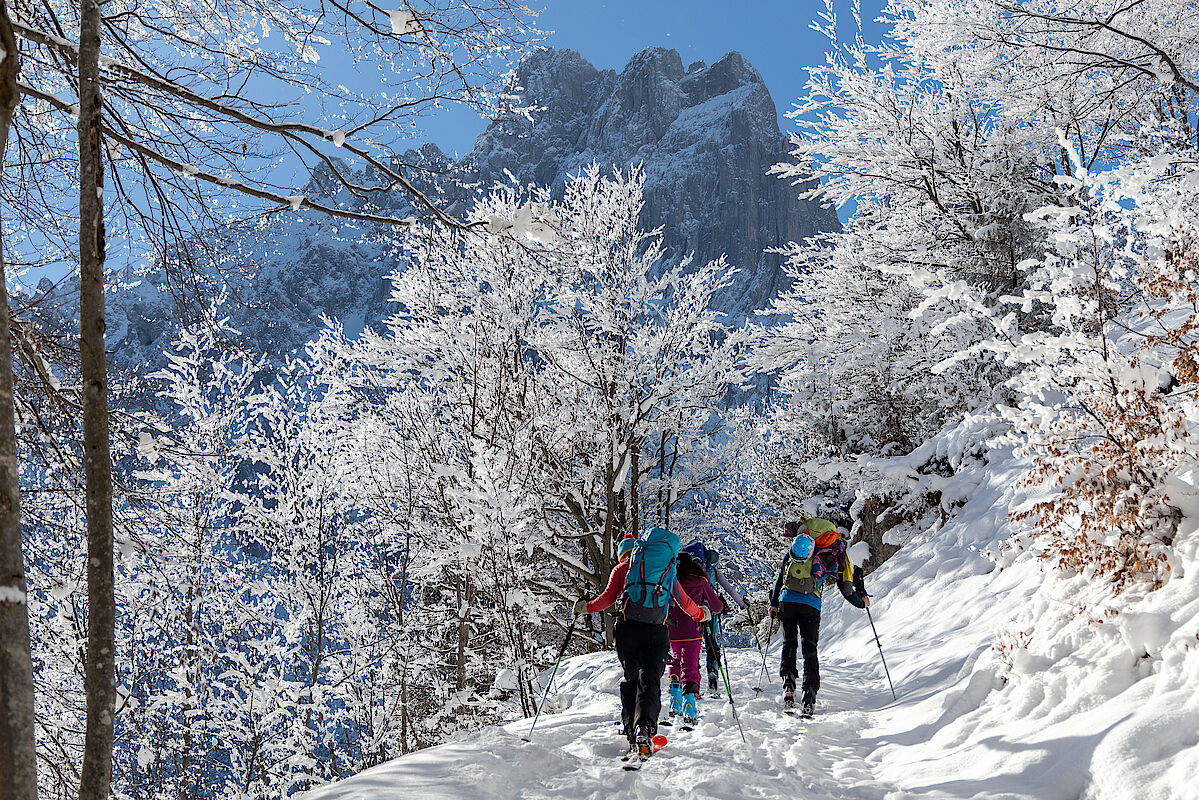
959	730
575	753
1014	683
782	757
839	755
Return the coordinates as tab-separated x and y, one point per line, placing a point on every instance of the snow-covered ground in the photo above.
1014	683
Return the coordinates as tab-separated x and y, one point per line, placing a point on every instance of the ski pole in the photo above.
569	633
880	653
769	636
757	641
724	668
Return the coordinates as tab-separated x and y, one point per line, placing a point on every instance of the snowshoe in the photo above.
640	752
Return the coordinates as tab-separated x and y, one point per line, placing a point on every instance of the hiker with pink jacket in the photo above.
686	639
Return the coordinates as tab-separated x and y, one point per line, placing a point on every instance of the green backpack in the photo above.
813	558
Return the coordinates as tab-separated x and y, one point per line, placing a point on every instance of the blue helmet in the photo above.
802	546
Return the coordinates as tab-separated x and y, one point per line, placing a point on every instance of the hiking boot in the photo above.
712	684
676	698
645	740
809	704
645	747
788	693
690	709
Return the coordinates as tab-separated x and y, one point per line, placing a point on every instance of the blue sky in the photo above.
772	34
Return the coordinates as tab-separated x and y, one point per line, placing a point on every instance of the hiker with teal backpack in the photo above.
709	558
645	583
817	557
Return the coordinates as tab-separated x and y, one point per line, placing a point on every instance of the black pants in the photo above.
801	619
712	646
643	650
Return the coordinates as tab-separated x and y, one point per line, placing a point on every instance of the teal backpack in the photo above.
649	585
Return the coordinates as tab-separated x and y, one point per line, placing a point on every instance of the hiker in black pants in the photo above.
817	557
642	647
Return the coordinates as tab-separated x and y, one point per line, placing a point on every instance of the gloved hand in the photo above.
707	614
580	606
774	612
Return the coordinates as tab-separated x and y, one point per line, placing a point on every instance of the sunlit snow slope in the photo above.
1094	697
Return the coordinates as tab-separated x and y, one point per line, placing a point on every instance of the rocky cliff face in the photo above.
705	135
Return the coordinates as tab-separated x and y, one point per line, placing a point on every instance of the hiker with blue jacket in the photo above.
645	583
817	557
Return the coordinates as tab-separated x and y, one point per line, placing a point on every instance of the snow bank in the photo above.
1014	682
1021	682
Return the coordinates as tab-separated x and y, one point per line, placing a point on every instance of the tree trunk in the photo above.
404	718
99	674
18	773
466	598
634	492
875	521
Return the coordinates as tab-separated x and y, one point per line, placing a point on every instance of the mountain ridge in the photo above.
705	136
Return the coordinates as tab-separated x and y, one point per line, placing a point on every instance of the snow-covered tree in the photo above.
190	104
550	385
949	137
1106	407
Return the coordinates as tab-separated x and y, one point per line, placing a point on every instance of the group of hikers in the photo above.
669	607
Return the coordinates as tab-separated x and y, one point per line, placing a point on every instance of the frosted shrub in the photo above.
1107	418
1111	457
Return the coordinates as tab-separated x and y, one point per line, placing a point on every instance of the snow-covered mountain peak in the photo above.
706	137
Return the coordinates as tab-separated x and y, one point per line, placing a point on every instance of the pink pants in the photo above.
684	664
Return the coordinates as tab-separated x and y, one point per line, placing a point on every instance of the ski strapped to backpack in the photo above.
649	585
814	557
